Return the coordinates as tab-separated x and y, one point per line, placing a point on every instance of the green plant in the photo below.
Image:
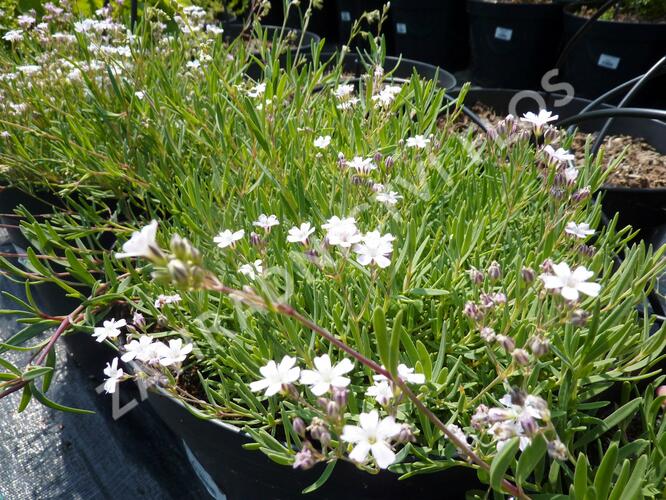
169	128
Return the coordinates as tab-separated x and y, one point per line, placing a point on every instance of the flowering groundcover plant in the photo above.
346	279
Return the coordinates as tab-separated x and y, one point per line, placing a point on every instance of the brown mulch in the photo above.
619	15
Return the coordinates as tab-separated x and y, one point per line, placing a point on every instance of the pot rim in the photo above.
569	12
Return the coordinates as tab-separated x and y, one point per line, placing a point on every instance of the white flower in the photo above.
140	94
406	374
388	197
163	300
571	174
372	436
382	391
214	30
113	374
195	64
227	238
29	69
141	349
539	120
300	234
142	243
361	165
251	270
342	232
418	141
13	36
343	91
570	283
325	376
5	134
375	248
110	329
175	353
581	230
348	104
266	221
458	433
322	141
25	20
386	95
560	155
275	375
257	90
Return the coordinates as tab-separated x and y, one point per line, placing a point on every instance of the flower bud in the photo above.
332	409
529	424
472	311
299	426
323	402
492	134
378	157
587	250
498	298
405	435
487	334
388	161
494	271
487	301
521	357
557	193
550	134
480	417
547	266
661	391
579	317
324	437
255	239
304	459
138	320
539	345
340	396
557	450
581	195
507	343
162	321
178	271
476	276
357	180
527	273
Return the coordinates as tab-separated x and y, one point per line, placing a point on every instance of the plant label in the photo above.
345	16
503	33
610	62
401	28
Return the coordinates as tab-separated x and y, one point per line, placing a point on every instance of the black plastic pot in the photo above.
255	70
10	199
401	70
610	53
322	21
250	475
433	31
513	45
641	208
349	11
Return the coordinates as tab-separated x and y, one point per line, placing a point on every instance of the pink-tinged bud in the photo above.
290	390
340	396
487	334
332	409
304	459
406	435
579	317
357	180
547	266
539	345
661	391
521	356
323	402
581	195
492	134
378	157
476	276
527	273
557	193
162	321
550	134
494	271
138	320
557	450
559	179
507	343
487	301
587	250
529	424
325	437
389	161
498	298
472	311
499	415
480	417
255	239
299	426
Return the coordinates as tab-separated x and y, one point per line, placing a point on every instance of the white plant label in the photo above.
503	33
345	16
607	61
401	28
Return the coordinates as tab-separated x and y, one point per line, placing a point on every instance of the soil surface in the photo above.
620	15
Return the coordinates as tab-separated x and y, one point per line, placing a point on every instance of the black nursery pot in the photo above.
250	475
11	198
323	21
401	70
641	208
254	70
348	11
433	31
610	53
513	45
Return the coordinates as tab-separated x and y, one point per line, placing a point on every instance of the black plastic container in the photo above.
610	53
513	45
433	31
250	475
323	21
348	11
641	208
400	69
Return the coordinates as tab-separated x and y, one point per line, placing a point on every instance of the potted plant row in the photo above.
326	287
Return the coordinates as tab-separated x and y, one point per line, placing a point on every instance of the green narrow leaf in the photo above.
379	322
37	371
530	458
26	397
322	479
580	477
50	363
635	484
613	420
501	463
39	396
616	493
394	346
604	476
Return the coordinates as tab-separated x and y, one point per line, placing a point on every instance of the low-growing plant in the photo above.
346	277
